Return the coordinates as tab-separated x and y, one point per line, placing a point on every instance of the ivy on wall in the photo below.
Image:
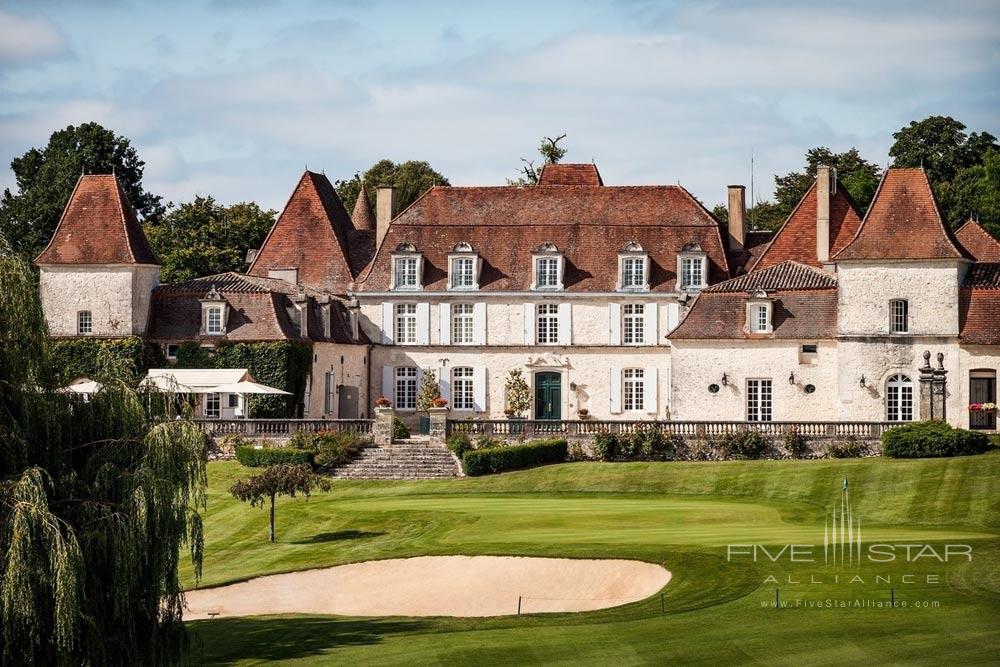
105	359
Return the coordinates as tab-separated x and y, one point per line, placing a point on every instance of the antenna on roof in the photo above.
753	202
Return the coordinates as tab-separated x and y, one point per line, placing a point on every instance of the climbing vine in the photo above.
105	359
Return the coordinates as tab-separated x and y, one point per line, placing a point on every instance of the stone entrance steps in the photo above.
415	458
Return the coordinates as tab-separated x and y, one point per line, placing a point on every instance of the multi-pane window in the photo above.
213	324
406	273
758	318
899	399
759	402
633	272
547	269
406	323
547	323
692	272
633	389
633	323
462	324
463	272
84	322
213	403
406	388
462	394
899	316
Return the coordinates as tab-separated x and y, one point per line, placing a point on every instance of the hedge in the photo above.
104	359
930	439
498	459
253	457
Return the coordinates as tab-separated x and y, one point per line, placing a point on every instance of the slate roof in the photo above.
315	235
98	226
589	224
796	238
903	222
570	174
978	242
258	311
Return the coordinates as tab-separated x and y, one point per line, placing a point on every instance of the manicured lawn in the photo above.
681	515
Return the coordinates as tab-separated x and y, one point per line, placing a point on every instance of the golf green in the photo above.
699	520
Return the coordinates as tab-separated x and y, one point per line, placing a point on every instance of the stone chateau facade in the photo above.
616	302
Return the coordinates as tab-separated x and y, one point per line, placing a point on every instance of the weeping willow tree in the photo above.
98	500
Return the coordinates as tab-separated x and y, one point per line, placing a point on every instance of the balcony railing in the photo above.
698	429
281	427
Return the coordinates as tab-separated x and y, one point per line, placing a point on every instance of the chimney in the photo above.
385	208
823	214
737	217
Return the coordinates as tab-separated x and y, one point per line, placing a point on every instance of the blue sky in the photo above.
234	98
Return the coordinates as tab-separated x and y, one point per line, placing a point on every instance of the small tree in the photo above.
428	391
278	480
518	392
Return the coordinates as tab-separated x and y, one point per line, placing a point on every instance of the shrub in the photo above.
336	448
848	449
744	445
796	444
488	442
931	439
399	430
498	459
259	458
606	447
646	443
458	443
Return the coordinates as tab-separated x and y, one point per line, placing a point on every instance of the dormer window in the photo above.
759	310
692	265
214	310
407	265
548	262
633	268
463	263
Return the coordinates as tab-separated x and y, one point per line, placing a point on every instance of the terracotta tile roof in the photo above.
98	226
979	315
315	235
788	275
797	315
984	274
754	245
903	222
589	224
362	216
570	174
258	311
978	242
796	238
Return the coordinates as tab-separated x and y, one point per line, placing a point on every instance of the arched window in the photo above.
899	399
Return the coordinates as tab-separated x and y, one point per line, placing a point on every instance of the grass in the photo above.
679	514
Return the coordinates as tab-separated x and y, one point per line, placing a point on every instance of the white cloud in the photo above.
29	39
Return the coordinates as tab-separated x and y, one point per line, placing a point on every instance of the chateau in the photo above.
616	302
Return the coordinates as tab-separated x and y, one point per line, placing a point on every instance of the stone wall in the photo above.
349	366
118	298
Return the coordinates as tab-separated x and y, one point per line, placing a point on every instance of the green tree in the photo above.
974	192
202	238
429	390
411	179
518	393
551	153
854	173
46	176
96	501
278	480
941	146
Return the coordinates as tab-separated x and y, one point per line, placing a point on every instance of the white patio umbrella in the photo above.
85	386
247	387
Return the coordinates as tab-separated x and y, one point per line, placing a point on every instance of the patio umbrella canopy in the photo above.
248	387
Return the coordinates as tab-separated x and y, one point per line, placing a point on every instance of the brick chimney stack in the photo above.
737	217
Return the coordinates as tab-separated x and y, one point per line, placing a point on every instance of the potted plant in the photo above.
518	398
426	396
583	413
439	402
383	402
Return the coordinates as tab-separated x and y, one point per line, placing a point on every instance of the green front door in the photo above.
548	396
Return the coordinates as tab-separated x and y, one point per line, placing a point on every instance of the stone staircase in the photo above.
414	458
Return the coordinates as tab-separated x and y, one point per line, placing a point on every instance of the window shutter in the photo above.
565	324
423	323
479	388
387	324
444	383
529	324
615	323
420	380
673	315
388	388
615	390
650	313
479	323
444	323
650	385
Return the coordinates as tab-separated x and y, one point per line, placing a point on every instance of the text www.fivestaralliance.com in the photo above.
853	603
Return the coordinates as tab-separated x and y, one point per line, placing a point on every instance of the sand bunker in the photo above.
437	586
